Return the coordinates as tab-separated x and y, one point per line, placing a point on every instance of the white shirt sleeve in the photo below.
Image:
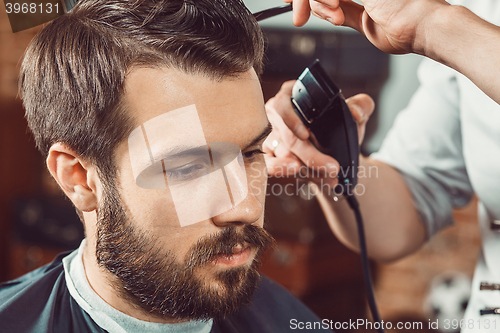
425	145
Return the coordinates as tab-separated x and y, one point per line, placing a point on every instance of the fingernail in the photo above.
329	19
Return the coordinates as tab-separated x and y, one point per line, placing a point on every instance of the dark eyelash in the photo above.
253	153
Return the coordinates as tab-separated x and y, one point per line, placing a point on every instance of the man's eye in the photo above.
253	153
189	171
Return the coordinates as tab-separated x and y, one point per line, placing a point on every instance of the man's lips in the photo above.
239	256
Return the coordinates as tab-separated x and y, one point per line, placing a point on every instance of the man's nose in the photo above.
247	211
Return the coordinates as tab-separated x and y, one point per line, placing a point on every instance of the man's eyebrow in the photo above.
267	130
182	151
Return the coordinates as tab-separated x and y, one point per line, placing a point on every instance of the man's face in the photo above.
207	267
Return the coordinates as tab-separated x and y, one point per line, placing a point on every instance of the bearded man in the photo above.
151	118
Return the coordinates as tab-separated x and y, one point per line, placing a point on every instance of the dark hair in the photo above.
73	72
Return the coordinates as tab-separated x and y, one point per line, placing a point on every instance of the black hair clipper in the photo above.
322	108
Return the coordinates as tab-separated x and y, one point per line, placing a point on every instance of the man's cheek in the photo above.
152	211
257	179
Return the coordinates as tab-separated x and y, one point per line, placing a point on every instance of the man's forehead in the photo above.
226	108
150	92
173	89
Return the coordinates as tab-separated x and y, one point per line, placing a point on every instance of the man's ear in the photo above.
76	177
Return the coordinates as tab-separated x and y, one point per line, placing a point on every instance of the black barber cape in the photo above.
39	302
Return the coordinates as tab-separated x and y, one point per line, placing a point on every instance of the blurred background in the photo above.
37	222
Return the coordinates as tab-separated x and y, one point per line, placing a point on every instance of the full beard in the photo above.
153	279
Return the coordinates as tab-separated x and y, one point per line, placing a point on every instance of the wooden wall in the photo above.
19	160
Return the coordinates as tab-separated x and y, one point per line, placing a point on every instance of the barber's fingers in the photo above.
279	160
301	11
304	150
361	107
328	10
293	167
282	166
273	145
282	104
292	132
325	9
290	166
338	12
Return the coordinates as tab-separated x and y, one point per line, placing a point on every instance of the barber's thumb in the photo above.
361	107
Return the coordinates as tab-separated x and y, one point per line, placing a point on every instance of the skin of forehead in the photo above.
230	110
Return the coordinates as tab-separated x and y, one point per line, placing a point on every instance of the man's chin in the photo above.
226	294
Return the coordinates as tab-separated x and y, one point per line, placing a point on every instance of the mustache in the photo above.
221	244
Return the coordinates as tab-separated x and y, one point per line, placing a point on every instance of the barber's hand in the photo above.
393	26
294	151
